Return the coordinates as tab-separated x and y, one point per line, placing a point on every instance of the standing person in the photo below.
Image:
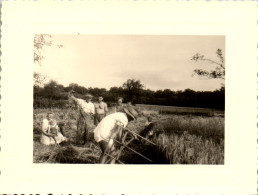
84	122
119	106
101	110
110	129
50	131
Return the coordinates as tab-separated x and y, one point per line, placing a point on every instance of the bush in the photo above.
48	103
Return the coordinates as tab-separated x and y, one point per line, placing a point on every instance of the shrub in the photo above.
48	103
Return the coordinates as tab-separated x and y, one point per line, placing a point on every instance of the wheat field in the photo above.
179	139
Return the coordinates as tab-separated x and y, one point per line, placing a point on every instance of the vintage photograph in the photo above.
129	99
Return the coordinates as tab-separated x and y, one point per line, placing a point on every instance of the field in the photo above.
185	138
181	110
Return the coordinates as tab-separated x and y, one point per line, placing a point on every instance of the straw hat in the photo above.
131	112
88	96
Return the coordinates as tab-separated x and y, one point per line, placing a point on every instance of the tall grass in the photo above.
204	127
191	140
180	139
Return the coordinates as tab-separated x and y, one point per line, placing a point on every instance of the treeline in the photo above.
55	95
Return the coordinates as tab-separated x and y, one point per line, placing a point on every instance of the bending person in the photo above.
111	129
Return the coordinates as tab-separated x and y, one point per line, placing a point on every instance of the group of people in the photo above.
108	127
52	132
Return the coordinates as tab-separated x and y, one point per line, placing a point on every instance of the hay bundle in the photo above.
72	154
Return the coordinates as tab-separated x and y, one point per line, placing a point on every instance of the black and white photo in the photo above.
129	99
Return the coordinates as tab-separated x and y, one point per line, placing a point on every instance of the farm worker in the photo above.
110	128
84	122
119	106
101	110
50	131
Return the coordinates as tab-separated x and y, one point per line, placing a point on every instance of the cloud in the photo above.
167	79
159	62
160	79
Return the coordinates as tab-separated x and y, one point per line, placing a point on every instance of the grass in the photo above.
204	127
182	110
190	149
180	139
68	154
61	153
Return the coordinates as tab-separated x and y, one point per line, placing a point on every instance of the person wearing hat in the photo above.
111	128
101	110
86	111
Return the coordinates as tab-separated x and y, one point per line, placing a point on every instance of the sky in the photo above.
104	61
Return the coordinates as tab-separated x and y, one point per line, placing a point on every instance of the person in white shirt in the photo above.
110	128
85	120
50	131
86	105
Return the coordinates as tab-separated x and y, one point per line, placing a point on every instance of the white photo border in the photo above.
21	20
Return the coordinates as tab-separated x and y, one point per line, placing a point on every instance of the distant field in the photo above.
181	110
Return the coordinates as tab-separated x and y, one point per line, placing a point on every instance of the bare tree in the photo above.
218	72
39	79
40	41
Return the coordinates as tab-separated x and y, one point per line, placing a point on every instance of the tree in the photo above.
97	91
132	84
53	90
218	72
168	92
77	88
133	89
116	92
188	92
38	79
40	41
